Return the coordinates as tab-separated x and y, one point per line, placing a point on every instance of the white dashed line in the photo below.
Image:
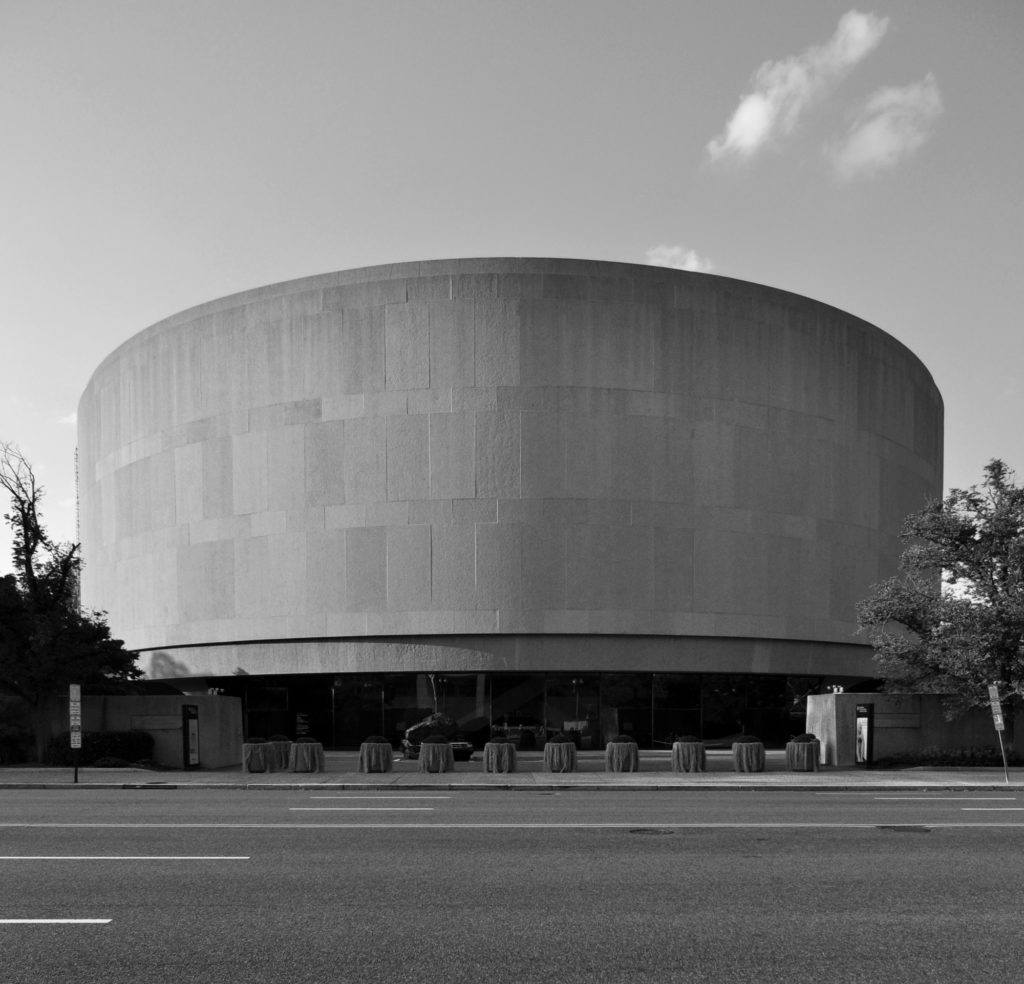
54	922
123	857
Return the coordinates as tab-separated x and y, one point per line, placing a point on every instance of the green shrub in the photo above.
624	738
560	739
15	744
377	740
974	756
744	739
804	739
129	746
279	738
435	740
305	740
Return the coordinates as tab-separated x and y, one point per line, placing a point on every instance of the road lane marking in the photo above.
367	809
380	796
993	809
124	857
943	799
497	826
51	922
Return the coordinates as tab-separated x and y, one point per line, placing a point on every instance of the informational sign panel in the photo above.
997	720
75	714
190	733
997	707
865	734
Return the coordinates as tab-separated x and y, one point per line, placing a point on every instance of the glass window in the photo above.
675	698
626	706
573	705
517	708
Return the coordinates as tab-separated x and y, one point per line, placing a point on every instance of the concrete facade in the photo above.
501	464
219	724
901	723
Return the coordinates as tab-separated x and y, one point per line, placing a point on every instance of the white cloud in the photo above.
678	258
890	126
71	419
782	90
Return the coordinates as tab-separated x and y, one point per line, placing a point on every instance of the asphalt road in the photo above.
510	886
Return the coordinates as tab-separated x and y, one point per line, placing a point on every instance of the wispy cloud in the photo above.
782	90
679	258
71	419
890	126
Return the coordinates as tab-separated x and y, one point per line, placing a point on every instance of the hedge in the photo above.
131	746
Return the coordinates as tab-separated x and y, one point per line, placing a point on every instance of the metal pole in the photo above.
1002	749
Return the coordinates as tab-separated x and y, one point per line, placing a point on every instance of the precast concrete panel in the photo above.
485	450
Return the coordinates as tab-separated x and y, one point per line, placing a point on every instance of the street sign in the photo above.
75	714
997	707
997	718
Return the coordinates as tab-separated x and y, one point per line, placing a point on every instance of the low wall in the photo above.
219	718
902	723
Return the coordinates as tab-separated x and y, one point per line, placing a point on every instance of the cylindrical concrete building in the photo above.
532	493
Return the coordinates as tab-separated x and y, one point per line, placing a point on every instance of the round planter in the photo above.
748	756
689	756
621	756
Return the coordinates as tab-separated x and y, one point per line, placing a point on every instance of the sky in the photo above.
157	154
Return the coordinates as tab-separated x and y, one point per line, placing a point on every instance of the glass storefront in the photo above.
653	708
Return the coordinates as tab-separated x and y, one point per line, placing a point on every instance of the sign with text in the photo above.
75	714
190	734
997	707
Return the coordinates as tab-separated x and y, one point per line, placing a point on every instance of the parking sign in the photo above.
75	714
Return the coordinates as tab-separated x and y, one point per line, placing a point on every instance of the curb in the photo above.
519	787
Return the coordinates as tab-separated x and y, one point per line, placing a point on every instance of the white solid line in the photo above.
367	809
993	809
380	797
643	823
62	922
943	799
124	857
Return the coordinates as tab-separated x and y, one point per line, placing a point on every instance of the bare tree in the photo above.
46	640
40	563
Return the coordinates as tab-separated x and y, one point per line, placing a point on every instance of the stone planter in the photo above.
689	756
254	757
436	756
559	756
621	756
803	756
306	756
278	754
748	756
376	756
499	756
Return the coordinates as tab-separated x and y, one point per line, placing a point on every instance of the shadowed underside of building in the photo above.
533	493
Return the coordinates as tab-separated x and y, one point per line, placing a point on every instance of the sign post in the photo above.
75	722
997	720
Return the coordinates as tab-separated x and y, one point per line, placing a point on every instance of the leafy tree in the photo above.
46	640
952	620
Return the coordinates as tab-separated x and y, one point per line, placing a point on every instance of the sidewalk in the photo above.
655	773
